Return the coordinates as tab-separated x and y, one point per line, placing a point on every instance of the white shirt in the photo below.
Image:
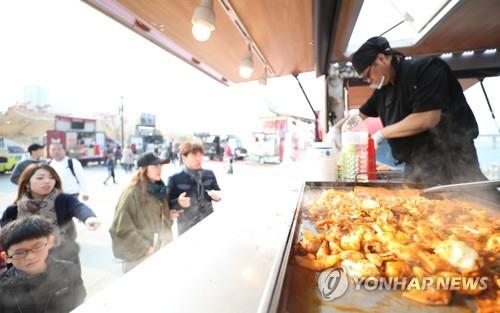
69	182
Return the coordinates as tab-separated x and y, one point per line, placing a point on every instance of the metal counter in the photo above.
220	265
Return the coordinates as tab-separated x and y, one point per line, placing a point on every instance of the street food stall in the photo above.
271	263
80	138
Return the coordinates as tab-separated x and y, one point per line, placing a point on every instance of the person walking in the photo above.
127	159
228	158
110	165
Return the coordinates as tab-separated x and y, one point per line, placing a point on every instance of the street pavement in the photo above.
99	267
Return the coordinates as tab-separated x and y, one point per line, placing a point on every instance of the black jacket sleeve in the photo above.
214	185
9	215
173	194
77	209
431	91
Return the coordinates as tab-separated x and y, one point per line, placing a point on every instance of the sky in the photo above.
88	62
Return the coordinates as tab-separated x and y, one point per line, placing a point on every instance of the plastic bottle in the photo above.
354	154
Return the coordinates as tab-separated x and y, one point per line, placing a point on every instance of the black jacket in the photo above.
201	202
57	290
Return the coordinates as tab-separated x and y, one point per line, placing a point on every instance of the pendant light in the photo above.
246	66
203	20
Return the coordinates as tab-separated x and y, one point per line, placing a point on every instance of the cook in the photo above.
427	120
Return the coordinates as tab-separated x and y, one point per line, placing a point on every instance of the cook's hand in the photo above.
335	136
92	223
214	194
174	214
85	198
184	201
378	137
341	122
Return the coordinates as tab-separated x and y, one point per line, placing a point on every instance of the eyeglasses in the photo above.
22	254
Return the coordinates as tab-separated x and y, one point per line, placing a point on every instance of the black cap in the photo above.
34	147
150	159
367	53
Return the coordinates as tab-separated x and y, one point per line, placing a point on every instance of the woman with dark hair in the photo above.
40	193
143	221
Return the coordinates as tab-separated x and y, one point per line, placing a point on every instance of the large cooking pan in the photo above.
293	289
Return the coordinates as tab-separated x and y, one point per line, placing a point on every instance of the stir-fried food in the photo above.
382	233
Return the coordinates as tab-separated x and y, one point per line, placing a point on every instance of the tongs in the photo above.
461	186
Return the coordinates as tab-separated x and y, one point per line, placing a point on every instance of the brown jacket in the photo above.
135	225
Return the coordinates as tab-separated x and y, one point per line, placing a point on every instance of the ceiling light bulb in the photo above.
203	20
201	32
245	72
246	67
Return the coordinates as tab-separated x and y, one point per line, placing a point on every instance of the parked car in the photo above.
7	161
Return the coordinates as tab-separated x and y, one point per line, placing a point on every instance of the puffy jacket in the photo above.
135	224
58	290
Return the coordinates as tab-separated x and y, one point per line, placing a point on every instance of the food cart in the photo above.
229	268
79	137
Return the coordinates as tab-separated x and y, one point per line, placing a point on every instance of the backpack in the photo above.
71	168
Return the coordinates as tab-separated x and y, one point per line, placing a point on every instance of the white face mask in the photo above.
379	85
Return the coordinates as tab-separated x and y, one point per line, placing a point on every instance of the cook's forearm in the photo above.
413	124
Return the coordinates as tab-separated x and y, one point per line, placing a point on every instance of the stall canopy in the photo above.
302	35
280	30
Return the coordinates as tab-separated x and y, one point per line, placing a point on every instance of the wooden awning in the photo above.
281	29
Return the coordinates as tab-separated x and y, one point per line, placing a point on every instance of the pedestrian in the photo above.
36	282
39	193
228	158
110	165
117	152
142	222
69	170
35	156
127	159
192	190
427	120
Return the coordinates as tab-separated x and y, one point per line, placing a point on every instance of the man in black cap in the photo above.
427	121
36	153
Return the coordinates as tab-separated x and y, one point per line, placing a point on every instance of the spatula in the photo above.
461	186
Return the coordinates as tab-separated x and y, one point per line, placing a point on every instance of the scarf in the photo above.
158	189
197	178
44	207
